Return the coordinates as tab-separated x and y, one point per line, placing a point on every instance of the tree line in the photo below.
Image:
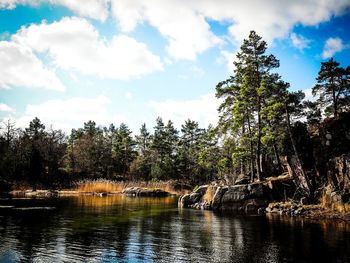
260	124
49	157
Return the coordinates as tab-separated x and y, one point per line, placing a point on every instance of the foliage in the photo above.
260	120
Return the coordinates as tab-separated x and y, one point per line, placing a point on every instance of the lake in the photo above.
125	229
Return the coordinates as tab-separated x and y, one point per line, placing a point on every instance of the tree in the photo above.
123	149
332	86
34	136
189	145
141	166
165	149
253	66
245	95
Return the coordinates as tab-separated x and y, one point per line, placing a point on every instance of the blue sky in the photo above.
130	61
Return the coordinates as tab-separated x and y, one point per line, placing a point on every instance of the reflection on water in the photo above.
122	229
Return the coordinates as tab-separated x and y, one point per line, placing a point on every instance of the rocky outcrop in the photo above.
144	192
217	198
292	208
336	194
248	198
245	198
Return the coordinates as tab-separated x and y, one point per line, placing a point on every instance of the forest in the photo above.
263	126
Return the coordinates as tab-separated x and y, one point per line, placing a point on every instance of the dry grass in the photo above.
103	185
209	194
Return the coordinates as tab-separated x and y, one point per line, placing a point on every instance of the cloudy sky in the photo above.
113	61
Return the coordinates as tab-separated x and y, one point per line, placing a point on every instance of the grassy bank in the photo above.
108	186
101	186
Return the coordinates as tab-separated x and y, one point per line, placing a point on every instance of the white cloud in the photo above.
186	30
70	113
299	41
128	95
6	108
74	44
96	9
20	67
203	110
332	46
271	18
185	23
186	27
227	58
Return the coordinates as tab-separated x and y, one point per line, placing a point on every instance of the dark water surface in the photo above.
122	229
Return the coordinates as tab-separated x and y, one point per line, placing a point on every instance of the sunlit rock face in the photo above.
243	198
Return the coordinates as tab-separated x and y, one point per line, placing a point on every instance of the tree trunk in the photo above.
298	166
277	156
252	172
335	106
258	148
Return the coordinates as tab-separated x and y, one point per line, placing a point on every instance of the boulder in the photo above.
216	203
201	190
189	200
235	194
194	198
144	192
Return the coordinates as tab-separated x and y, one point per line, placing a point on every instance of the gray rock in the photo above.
202	189
143	192
235	193
194	198
220	191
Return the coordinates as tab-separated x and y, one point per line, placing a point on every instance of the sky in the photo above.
113	61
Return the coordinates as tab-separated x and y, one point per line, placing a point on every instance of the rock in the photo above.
246	198
216	203
143	192
189	200
202	189
234	194
184	200
194	197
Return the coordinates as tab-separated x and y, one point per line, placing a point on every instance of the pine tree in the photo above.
332	86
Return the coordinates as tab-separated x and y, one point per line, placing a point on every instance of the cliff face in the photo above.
332	162
336	194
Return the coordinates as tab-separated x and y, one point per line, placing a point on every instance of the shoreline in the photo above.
287	209
129	191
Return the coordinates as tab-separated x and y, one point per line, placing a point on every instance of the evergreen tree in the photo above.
123	149
248	93
332	86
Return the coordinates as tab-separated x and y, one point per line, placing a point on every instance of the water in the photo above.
122	229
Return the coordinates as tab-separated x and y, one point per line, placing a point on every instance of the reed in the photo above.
209	194
109	186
